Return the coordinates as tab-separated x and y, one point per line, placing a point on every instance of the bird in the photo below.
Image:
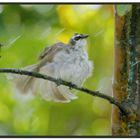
69	62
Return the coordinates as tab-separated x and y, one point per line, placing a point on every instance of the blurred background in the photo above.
24	31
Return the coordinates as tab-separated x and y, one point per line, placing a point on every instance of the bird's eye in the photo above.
77	38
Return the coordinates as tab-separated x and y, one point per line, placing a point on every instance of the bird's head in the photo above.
78	40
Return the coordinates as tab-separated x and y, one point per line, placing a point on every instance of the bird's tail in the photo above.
48	90
25	84
52	92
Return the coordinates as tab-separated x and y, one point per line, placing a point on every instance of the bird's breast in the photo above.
73	66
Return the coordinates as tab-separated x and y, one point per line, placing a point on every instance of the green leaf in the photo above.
123	9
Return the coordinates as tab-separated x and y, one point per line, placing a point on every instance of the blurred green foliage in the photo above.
123	9
25	30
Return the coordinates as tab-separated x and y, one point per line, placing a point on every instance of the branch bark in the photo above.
68	84
126	87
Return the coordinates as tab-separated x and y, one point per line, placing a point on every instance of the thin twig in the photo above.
68	84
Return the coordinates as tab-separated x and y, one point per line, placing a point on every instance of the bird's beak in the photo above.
85	36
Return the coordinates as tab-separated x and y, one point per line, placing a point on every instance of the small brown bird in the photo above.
66	61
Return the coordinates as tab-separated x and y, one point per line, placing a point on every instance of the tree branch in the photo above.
65	83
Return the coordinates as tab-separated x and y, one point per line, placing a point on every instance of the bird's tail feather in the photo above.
51	92
48	90
23	83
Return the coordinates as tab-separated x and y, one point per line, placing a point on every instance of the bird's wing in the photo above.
51	50
48	54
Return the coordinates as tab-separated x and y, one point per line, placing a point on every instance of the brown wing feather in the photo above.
51	49
48	54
